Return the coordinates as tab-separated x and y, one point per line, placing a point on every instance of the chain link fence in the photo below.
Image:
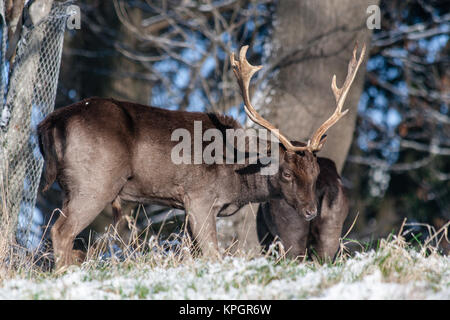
30	97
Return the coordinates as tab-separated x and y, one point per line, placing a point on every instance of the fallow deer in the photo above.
103	151
278	221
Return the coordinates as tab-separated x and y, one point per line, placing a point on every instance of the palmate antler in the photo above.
244	71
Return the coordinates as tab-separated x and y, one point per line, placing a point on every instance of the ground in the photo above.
393	271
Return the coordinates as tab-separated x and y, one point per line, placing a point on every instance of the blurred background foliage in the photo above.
174	54
399	165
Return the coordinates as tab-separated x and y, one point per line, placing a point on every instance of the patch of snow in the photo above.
239	278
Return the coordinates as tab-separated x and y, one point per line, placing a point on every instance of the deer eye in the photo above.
287	175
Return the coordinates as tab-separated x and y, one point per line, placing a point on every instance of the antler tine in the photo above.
340	94
244	71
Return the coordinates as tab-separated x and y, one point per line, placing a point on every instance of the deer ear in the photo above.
282	146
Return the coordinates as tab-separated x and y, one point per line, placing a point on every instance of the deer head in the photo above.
298	170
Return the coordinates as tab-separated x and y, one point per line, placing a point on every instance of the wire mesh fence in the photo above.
31	94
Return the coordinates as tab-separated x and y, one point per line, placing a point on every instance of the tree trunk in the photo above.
312	40
130	87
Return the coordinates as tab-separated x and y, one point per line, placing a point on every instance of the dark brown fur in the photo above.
277	220
102	151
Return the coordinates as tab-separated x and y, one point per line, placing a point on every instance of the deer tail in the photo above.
47	147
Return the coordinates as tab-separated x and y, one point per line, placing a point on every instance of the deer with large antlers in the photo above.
318	238
107	151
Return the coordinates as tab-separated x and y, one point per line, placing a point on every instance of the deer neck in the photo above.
256	187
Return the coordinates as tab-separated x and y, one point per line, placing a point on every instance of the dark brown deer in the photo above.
276	220
103	151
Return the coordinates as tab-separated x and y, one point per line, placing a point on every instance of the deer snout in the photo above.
310	214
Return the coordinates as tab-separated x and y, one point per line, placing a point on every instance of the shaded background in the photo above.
174	54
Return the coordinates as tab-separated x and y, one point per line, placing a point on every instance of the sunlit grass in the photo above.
147	269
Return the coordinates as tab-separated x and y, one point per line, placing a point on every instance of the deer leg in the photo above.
76	215
327	242
294	238
297	247
287	226
265	236
327	228
201	223
79	210
62	246
117	211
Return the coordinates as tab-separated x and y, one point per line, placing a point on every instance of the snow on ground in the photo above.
371	275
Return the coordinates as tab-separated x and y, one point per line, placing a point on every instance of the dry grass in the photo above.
145	267
143	247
